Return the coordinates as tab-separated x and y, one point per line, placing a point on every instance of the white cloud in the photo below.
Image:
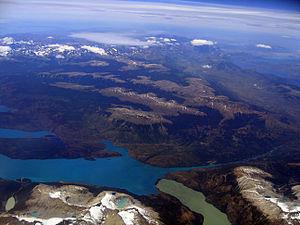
93	49
111	38
201	42
5	50
7	40
264	46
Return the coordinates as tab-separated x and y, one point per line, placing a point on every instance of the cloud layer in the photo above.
116	12
264	46
111	38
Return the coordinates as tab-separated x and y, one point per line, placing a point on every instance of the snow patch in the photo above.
95	214
145	214
107	201
127	216
42	53
7	40
5	50
51	221
285	207
56	194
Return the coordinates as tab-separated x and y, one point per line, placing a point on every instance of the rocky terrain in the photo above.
166	114
199	101
255	187
158	105
248	194
197	93
138	117
76	204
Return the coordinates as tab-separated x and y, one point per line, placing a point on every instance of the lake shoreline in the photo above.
194	200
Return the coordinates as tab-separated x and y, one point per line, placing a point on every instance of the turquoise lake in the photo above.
118	172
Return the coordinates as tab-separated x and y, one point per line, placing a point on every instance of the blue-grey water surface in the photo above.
119	172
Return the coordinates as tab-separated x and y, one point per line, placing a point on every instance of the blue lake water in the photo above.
119	172
122	202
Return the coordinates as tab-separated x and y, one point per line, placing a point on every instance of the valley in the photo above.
125	119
